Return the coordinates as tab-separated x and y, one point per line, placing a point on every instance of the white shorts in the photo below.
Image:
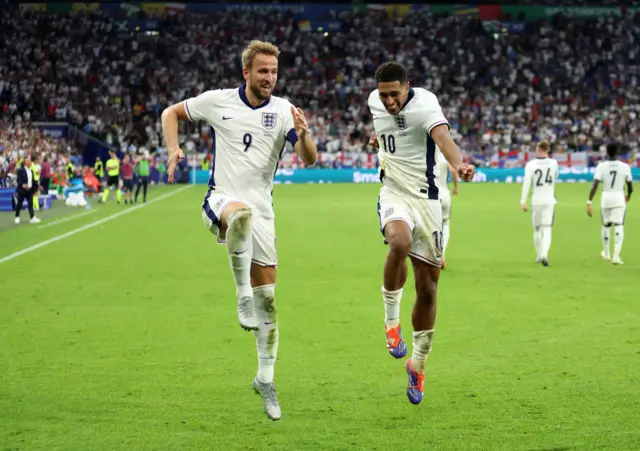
613	215
424	218
264	228
446	208
542	215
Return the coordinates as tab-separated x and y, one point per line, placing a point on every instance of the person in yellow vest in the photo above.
71	170
35	168
113	177
98	169
205	164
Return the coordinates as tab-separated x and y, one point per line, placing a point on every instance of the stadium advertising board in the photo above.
483	175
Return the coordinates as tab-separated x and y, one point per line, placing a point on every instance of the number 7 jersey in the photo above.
541	174
247	142
407	153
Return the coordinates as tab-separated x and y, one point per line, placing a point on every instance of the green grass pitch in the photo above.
124	335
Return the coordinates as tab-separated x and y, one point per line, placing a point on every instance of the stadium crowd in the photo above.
573	81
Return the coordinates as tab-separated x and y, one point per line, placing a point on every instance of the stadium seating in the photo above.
572	80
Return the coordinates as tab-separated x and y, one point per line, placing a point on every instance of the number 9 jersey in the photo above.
247	142
407	153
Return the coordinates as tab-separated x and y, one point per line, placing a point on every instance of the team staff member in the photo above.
25	189
143	177
126	171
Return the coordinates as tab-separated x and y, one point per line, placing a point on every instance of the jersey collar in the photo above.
243	97
409	97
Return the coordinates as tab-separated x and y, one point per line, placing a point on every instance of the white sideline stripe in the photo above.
88	226
68	218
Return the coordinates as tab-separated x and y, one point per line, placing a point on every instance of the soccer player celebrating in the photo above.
444	168
613	174
541	174
249	127
409	130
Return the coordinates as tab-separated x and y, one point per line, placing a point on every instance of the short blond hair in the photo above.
255	47
544	145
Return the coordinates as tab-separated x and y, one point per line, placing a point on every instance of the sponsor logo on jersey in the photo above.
401	121
269	120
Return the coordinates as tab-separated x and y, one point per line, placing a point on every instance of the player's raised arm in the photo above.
526	185
444	141
193	109
304	146
170	118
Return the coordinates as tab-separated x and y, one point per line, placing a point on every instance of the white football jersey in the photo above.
247	142
613	174
442	170
541	174
407	153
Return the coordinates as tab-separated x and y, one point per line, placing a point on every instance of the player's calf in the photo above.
423	320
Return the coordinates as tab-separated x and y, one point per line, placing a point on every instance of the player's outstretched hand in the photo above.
373	141
466	172
626	199
589	210
175	156
524	207
454	191
299	122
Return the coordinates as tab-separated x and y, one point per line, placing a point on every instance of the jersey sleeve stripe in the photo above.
438	123
292	136
186	108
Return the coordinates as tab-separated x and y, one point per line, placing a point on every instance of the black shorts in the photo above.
113	180
143	179
127	184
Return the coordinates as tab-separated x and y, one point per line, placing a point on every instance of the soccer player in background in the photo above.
249	127
541	175
444	169
614	175
410	129
113	177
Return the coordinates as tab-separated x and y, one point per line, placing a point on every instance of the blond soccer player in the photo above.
249	127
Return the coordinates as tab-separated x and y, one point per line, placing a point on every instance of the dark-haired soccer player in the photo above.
409	131
613	174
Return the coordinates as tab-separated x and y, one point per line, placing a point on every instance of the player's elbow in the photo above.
311	158
307	151
176	112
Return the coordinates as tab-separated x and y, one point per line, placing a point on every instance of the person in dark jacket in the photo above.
25	189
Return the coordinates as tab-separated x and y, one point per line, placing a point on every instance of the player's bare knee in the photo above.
399	243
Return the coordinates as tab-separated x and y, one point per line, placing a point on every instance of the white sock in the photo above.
606	240
537	241
546	241
267	333
391	307
422	341
445	237
240	249
618	239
